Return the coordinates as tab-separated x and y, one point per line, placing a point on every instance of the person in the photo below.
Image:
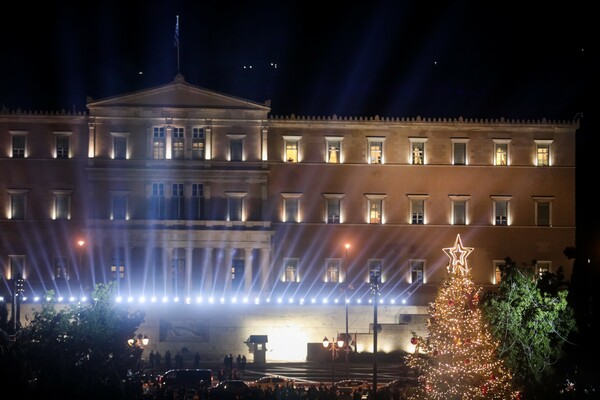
178	360
244	362
157	359
230	364
151	360
238	360
197	360
168	360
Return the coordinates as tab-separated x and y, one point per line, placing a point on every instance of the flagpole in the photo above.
177	40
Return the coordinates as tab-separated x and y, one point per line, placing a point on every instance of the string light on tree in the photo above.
458	358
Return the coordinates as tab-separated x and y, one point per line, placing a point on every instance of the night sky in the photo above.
476	59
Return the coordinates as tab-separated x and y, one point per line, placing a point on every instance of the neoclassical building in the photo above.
193	198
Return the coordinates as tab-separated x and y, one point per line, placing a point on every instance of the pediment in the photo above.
178	94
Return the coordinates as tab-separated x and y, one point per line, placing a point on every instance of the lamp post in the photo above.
347	345
139	341
333	347
18	290
81	273
375	278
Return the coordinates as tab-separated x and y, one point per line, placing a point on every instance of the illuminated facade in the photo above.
181	194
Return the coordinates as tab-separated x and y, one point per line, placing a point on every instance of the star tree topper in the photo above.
458	257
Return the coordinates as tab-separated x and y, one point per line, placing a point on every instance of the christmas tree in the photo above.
458	358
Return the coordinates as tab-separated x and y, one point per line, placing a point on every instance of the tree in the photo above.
530	316
458	360
81	351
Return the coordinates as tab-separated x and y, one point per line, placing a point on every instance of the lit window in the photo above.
290	266
375	154
333	270
291	207
333	204
291	148
61	268
501	151
62	146
62	204
236	147
459	151
417	209
117	270
198	144
459	209
501	204
334	149
375	267
235	206
417	268
498	266
18	144
178	144
119	206
375	208
16	265
158	143
417	151
542	267
17	203
543	152
543	211
119	147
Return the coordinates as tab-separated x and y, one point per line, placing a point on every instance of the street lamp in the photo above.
139	340
375	279
81	272
334	348
18	290
346	284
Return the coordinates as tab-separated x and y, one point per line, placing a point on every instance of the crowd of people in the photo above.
156	361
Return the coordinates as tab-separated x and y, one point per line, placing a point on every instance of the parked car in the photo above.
229	389
271	382
186	380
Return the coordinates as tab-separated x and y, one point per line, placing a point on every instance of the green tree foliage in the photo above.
531	318
81	351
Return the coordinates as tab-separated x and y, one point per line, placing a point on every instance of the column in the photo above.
228	260
207	270
265	255
248	269
189	251
167	270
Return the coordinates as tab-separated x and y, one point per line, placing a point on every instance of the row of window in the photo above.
375	209
61	144
417	153
181	207
416	274
333	267
334	155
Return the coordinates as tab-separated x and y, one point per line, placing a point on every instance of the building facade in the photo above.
185	196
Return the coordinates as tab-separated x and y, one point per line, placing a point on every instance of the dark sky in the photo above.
363	58
441	59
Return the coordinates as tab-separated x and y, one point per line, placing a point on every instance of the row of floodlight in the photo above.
213	300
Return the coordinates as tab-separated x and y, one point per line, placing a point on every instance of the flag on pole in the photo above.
176	38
